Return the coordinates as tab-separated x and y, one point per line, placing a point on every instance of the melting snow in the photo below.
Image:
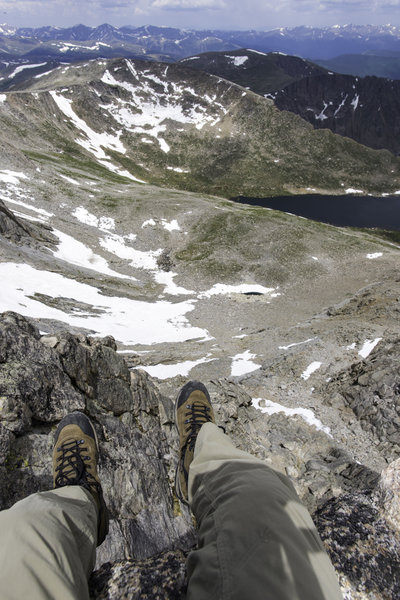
172	226
40	211
140	260
257	52
270	408
355	101
149	110
242	364
148	222
238	61
368	346
353	191
94	142
84	216
374	255
296	344
322	116
172	370
13	177
3	97
70	180
129	321
23	67
221	288
171	288
76	253
310	370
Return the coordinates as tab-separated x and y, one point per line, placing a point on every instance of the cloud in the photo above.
189	4
200	14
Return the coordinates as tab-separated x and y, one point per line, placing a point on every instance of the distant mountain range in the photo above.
365	109
167	43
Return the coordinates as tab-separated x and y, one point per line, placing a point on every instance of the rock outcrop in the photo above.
371	389
42	378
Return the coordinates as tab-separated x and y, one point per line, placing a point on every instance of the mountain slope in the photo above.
259	72
292	324
363	109
170	125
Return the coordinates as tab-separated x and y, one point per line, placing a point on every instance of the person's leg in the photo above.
48	540
256	539
48	545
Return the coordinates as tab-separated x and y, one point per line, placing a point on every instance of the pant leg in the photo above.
256	539
48	546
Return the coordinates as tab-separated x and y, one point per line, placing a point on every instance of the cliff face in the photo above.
364	109
42	378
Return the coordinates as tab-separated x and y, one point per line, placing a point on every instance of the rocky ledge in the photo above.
356	509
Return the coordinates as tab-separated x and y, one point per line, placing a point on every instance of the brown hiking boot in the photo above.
75	454
192	409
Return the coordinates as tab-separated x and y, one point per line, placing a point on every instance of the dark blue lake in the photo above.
344	211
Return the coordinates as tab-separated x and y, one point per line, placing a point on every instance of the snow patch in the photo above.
167	279
13	177
74	252
256	51
69	179
223	289
353	191
374	255
23	67
92	141
314	366
40	211
138	259
171	226
102	223
172	370
238	61
368	346
148	222
270	408
242	364
296	344
129	321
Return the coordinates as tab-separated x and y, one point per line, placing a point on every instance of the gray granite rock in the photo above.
43	378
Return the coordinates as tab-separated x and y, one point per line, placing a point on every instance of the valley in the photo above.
127	269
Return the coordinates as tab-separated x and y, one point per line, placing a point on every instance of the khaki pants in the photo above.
256	540
48	546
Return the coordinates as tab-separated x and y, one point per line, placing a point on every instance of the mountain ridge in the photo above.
308	42
170	125
364	109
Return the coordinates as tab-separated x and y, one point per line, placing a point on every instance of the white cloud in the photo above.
189	4
199	14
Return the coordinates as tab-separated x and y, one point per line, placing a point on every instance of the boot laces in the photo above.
196	415
71	468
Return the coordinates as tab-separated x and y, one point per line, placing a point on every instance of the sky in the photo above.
199	14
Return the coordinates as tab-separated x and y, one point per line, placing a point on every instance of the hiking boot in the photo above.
75	454
192	409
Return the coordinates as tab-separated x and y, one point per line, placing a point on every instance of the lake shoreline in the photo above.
341	211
